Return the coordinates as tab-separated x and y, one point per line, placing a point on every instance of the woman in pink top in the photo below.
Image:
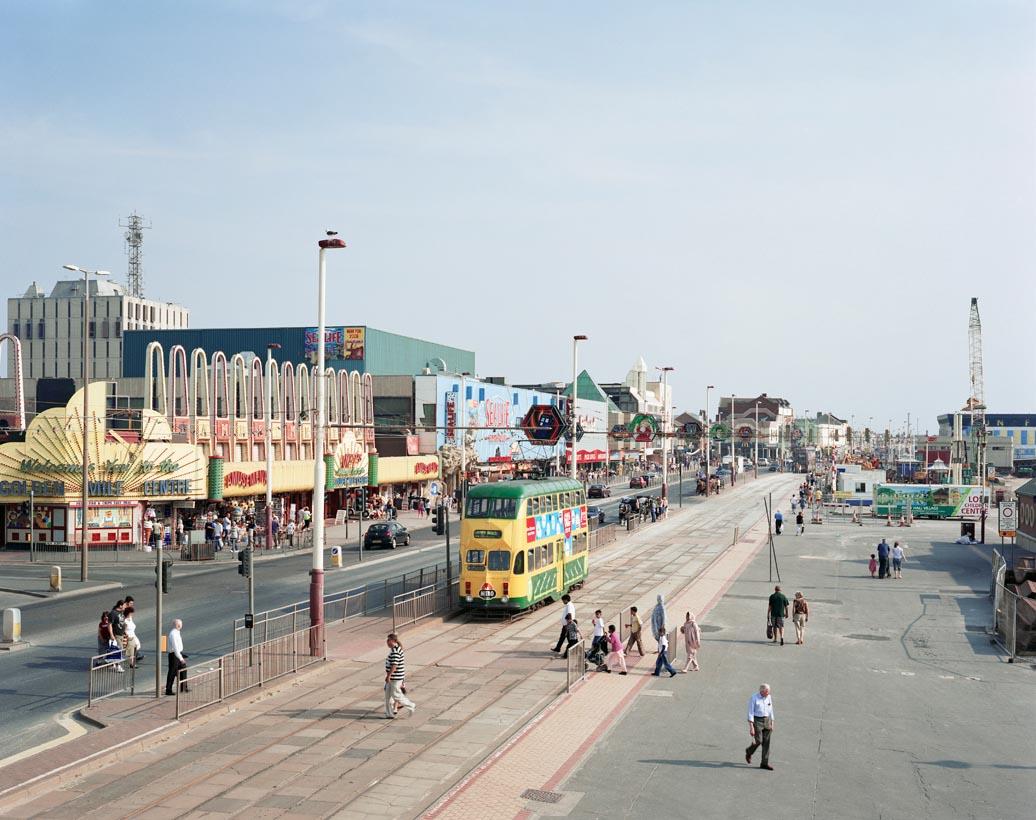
691	641
615	652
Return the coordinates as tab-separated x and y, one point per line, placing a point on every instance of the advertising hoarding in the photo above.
930	500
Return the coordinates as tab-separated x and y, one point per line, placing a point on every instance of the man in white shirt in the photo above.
568	609
760	725
177	660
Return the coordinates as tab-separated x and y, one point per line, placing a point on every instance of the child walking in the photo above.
873	566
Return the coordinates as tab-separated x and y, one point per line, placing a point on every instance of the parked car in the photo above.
638	482
595	514
598	491
388	534
773	468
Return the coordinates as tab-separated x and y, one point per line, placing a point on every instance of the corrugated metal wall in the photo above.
385	353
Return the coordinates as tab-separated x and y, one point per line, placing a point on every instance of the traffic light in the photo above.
244	566
167	576
438	520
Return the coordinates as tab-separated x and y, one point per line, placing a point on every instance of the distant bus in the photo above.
804	459
930	500
522	543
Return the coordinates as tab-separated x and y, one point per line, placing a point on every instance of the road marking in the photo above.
73	729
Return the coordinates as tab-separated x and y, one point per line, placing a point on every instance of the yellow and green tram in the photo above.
522	542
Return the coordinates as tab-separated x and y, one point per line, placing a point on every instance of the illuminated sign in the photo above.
44	489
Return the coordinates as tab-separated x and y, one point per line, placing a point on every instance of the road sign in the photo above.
543	424
433	489
1008	519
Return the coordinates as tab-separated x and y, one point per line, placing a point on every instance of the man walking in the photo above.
760	725
635	628
568	610
883	559
177	659
777	611
395	679
800	522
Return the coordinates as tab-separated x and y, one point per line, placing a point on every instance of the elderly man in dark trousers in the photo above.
760	725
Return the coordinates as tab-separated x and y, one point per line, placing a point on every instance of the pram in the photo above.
596	655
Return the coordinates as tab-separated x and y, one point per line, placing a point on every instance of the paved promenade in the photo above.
897	706
316	745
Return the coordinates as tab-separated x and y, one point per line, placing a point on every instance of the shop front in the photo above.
238	490
136	478
403	479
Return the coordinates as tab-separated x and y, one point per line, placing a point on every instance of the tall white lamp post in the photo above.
708	443
665	430
575	393
271	368
84	546
316	574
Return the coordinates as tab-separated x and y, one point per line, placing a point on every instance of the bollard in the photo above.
737	534
336	556
55	579
12	626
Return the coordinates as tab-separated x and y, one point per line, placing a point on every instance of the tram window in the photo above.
566	499
532	560
534	506
579	543
550	553
552	502
476	556
519	563
492	508
499	560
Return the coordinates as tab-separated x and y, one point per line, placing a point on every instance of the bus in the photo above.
522	543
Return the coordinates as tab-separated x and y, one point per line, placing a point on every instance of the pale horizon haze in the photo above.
794	198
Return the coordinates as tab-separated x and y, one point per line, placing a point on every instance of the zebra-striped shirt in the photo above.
395	658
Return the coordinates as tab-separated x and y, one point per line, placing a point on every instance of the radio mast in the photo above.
135	226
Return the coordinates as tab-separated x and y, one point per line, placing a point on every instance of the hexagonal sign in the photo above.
544	424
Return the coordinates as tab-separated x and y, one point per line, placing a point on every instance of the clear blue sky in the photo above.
797	198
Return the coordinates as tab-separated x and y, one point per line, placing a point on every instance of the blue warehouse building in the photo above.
347	347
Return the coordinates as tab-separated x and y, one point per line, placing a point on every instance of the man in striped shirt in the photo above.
395	675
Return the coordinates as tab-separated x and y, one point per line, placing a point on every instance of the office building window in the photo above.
118	328
104	328
40	330
92	329
28	330
17	330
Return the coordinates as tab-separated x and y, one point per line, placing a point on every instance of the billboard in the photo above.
340	344
930	500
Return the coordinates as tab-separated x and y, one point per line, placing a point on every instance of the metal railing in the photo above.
245	669
411	607
108	677
602	535
575	666
376	596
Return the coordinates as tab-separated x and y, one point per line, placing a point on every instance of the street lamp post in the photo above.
84	561
316	574
733	457
271	366
575	394
708	443
756	455
463	444
665	431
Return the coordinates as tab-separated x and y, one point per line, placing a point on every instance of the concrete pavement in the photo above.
896	706
320	746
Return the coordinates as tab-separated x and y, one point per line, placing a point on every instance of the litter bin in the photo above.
967	528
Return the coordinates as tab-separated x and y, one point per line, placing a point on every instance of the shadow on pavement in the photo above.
962	764
699	764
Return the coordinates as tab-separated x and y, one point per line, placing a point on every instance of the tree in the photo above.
867	435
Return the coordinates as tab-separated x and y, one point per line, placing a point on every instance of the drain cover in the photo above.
541	796
868	637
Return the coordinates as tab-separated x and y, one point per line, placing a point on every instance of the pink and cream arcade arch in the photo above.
220	403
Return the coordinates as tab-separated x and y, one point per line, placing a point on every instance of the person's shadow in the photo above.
697	764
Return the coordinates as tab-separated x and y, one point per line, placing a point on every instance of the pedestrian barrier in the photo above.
198	552
601	536
411	607
108	677
246	669
575	670
338	606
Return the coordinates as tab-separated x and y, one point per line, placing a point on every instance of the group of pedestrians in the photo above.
117	635
885	554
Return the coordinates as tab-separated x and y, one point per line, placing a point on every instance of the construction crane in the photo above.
977	399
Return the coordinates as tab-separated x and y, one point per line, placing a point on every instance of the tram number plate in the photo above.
487	592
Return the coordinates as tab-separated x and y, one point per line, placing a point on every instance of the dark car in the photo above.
638	482
598	491
773	468
595	514
388	534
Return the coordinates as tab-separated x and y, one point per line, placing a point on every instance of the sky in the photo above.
796	198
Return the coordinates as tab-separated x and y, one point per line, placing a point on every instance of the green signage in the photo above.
720	432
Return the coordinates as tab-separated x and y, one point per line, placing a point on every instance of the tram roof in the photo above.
525	488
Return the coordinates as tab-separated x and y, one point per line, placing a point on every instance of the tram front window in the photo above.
476	556
499	560
492	508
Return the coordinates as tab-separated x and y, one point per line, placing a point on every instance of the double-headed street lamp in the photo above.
316	574
271	369
84	565
575	394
